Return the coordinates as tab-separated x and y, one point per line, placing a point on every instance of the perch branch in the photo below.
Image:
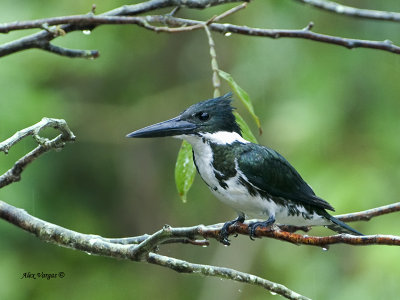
142	252
14	173
142	248
352	11
365	215
168	234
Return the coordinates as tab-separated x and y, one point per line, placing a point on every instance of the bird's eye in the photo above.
203	116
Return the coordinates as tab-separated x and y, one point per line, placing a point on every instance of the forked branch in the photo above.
14	173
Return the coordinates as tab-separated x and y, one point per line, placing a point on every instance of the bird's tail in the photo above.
341	227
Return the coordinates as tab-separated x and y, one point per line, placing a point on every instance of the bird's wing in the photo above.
271	173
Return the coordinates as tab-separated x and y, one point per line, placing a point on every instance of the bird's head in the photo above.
209	116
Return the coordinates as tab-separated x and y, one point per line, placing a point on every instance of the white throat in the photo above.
220	138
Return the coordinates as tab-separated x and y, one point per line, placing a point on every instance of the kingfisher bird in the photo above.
256	181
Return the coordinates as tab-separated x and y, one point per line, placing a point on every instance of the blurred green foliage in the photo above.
332	112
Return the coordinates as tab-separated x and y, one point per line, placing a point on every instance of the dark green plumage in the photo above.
267	173
272	173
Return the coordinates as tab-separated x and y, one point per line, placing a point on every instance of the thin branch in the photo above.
91	20
207	270
364	215
230	12
14	174
73	53
81	22
183	25
353	11
49	24
367	215
214	63
304	33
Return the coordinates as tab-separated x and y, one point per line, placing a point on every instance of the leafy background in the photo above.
334	113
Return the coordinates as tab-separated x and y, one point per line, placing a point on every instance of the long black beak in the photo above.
172	127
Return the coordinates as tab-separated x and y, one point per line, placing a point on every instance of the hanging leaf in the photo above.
246	131
243	96
185	170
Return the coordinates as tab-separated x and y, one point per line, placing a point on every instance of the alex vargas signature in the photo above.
42	275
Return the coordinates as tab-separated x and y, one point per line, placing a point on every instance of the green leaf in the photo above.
246	131
185	170
243	96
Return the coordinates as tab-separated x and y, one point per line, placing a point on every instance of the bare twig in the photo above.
353	11
230	12
214	63
139	239
69	52
367	215
14	174
304	33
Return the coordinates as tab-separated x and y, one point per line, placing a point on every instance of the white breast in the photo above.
236	195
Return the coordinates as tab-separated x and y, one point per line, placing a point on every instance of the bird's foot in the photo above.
255	225
224	233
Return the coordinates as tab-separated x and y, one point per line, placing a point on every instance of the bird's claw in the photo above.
223	236
225	241
252	229
224	233
255	225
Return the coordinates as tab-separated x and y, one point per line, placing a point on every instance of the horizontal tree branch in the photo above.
365	215
138	252
353	11
41	39
142	248
169	234
58	26
305	33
